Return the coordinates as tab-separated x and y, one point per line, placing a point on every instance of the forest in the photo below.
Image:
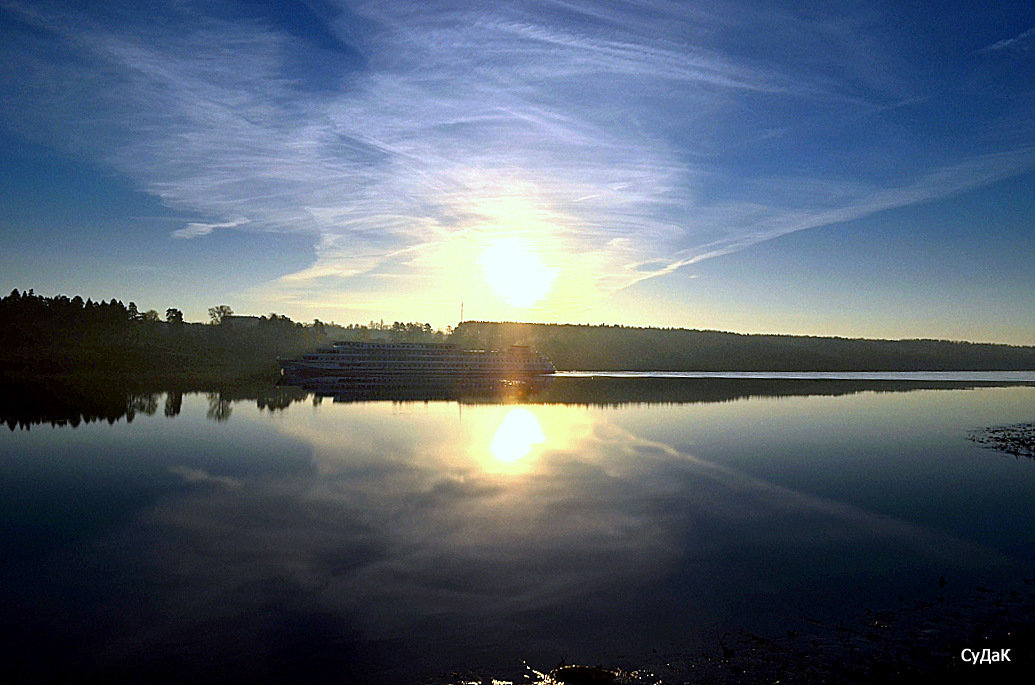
69	336
598	348
64	336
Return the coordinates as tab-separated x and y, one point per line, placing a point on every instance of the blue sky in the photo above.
858	169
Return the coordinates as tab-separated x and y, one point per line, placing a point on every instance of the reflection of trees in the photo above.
219	409
278	398
605	391
269	397
28	404
173	403
84	400
25	405
145	403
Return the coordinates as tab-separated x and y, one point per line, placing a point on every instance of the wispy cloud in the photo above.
195	229
1024	42
831	204
201	476
612	138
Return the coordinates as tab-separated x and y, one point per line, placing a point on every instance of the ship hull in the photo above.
387	365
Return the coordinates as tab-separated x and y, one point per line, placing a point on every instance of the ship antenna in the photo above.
461	311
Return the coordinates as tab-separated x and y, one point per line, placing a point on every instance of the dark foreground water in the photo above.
267	533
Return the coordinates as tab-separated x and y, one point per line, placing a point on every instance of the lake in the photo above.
602	519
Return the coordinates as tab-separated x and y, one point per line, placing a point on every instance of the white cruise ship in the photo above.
412	364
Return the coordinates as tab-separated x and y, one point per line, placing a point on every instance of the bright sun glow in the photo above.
516	273
516	435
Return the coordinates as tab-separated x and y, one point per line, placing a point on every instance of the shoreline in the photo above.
914	641
917	639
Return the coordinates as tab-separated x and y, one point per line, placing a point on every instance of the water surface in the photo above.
274	533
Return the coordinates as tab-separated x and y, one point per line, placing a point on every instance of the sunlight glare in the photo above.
516	435
516	273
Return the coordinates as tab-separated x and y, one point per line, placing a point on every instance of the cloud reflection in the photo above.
463	551
460	531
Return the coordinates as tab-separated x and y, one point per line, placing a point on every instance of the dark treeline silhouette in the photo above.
68	336
72	403
603	391
83	401
62	336
24	405
674	349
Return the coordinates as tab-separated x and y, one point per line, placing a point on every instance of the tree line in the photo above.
61	335
605	347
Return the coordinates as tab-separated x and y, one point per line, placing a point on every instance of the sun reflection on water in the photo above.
517	435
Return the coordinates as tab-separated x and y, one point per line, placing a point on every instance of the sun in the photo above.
516	273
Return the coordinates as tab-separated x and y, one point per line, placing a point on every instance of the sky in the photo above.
853	168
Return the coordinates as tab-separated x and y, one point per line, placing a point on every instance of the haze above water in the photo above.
595	522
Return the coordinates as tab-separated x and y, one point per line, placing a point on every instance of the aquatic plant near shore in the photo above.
1017	439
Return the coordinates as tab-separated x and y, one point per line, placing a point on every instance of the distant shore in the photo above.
613	348
63	337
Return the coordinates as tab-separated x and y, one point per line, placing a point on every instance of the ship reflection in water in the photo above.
423	390
390	542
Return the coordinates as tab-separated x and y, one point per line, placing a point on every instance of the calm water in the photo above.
268	532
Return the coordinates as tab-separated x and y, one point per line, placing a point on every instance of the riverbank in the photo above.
1017	439
915	641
